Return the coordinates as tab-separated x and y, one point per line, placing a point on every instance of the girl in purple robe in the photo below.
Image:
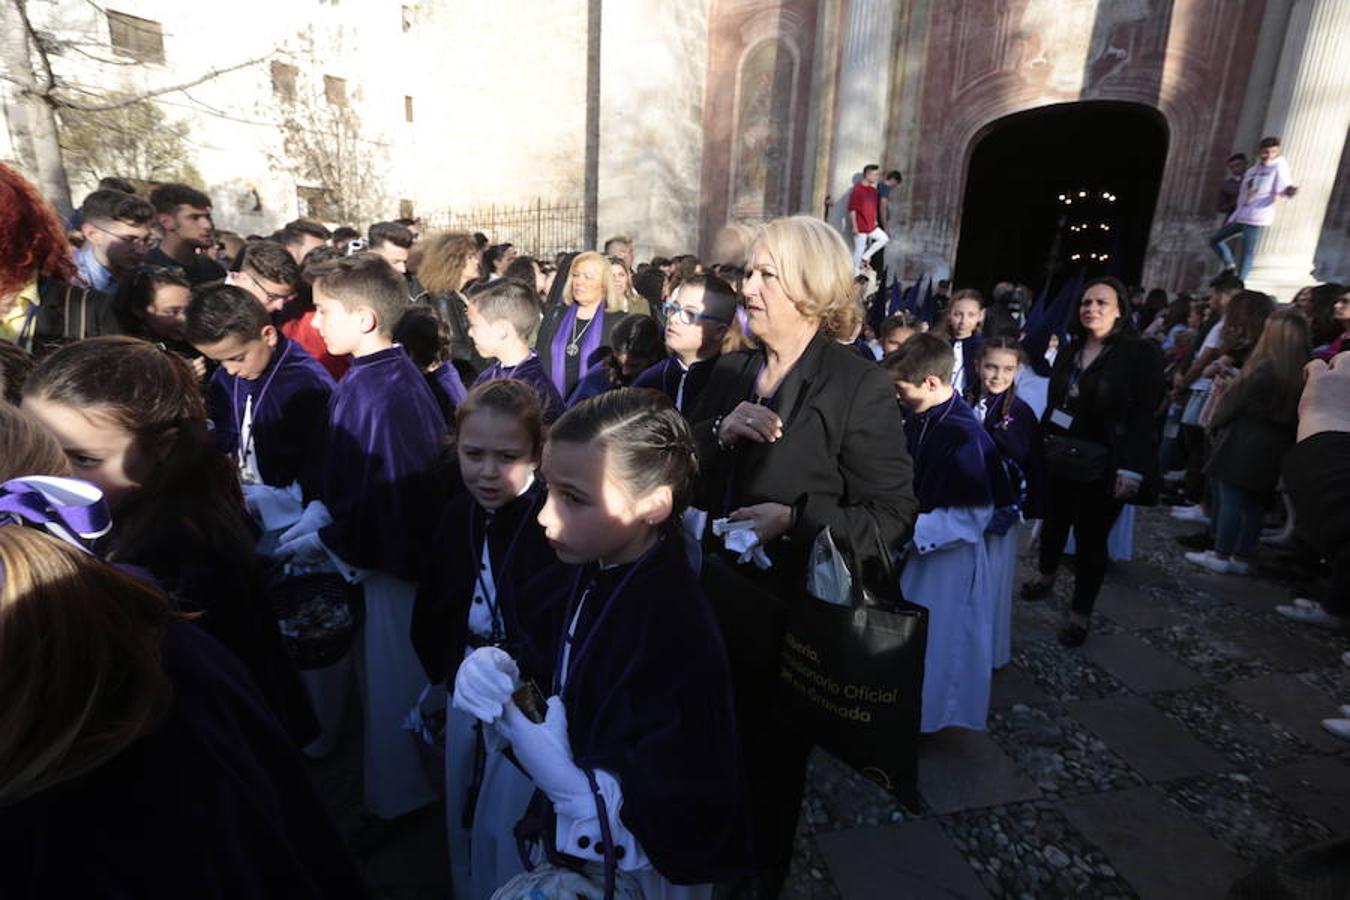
476	593
637	752
130	418
965	315
1012	424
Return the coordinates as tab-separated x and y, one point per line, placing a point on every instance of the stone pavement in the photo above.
1164	759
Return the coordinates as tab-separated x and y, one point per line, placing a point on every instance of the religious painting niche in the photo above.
763	139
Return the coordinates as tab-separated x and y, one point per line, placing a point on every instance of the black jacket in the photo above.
1117	399
548	327
67	313
1254	425
841	460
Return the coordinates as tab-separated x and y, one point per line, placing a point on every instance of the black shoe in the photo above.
1037	588
1072	635
1201	540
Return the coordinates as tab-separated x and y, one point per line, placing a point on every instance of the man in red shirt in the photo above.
868	236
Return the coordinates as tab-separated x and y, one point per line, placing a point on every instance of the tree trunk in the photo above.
32	120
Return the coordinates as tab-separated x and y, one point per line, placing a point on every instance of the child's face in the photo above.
166	315
496	457
246	359
589	517
998	370
918	397
895	338
342	329
487	337
100	451
1341	311
964	317
682	338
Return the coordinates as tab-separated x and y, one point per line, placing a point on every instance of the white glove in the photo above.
546	755
314	517
484	683
304	554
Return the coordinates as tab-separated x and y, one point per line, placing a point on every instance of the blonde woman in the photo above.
574	330
633	302
450	261
797	435
137	757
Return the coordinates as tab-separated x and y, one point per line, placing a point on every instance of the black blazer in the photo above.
1118	399
841	460
548	327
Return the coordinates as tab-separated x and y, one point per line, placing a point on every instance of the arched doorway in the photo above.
1055	188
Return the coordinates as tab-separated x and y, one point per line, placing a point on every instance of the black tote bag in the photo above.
851	678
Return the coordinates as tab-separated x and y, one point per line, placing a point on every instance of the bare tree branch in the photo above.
35	41
146	95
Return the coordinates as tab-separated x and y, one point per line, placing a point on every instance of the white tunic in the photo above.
948	573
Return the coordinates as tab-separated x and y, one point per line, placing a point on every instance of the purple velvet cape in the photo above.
665	377
289	421
381	465
531	611
530	372
1018	438
448	390
215	802
649	699
956	463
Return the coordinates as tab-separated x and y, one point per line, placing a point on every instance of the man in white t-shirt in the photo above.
1262	185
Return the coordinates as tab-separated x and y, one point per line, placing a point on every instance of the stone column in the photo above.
863	93
1309	112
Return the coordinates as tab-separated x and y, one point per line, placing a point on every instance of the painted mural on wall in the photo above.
763	139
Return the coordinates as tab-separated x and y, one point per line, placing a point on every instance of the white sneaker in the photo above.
1193	513
1338	727
1313	614
1209	560
1305	603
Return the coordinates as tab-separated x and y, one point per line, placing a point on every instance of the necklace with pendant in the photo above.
573	345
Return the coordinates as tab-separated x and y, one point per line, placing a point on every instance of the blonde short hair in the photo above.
815	269
614	301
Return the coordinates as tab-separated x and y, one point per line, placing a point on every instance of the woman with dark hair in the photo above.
132	421
41	306
1100	445
637	347
1340	316
1321	312
527	271
450	262
152	305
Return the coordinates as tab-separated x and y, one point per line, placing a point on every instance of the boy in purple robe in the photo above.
380	500
697	317
959	481
268	400
502	318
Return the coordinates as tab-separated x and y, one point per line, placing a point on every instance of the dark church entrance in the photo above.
1054	189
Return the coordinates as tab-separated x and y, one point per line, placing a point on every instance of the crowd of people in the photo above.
498	494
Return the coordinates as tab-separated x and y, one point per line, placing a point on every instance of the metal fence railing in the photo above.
540	229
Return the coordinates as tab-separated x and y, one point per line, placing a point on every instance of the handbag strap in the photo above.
611	858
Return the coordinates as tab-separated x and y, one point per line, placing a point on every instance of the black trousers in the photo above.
1091	512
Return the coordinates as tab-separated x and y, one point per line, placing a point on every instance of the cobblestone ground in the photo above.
1176	750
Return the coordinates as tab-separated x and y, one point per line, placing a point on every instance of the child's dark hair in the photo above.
510	398
424	335
896	321
15	365
922	355
270	260
365	280
635	335
193	492
647	443
138	292
1009	344
218	311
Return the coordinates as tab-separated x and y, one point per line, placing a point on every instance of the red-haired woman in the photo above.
40	306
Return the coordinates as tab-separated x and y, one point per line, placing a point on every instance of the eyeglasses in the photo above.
136	240
674	312
271	297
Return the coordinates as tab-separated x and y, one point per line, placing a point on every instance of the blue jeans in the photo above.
1218	242
1237	520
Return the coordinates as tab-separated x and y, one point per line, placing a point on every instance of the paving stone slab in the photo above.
912	859
1250	593
1283	649
1157	847
1138	573
1134	608
1152	743
1011	685
962	769
1292	703
1319	788
1139	666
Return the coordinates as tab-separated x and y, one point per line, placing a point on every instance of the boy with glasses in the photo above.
116	229
697	317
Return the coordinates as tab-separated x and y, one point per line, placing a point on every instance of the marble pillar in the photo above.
1309	112
863	93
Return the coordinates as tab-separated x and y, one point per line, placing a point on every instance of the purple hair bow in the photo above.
69	509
